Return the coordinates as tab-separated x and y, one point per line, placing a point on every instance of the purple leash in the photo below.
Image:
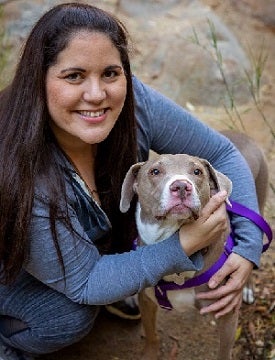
163	286
242	210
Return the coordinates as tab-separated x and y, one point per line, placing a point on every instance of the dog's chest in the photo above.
181	300
151	233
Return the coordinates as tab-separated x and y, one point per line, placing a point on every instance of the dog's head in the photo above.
175	186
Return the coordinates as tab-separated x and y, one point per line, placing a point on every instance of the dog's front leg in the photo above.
148	310
227	326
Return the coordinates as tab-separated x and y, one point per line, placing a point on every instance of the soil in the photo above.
191	336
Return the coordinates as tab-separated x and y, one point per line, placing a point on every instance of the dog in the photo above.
172	190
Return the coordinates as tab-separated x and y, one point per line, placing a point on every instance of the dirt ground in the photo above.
190	336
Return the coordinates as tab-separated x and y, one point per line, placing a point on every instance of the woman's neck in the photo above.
83	160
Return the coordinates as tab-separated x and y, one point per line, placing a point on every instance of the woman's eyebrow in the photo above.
73	69
113	66
108	67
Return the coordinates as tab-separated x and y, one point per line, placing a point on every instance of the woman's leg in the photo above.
39	320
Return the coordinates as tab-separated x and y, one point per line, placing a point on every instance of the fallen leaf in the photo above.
174	352
252	330
238	333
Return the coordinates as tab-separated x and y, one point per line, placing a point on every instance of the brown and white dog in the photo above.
172	190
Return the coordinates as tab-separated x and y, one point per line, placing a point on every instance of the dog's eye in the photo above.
154	172
197	172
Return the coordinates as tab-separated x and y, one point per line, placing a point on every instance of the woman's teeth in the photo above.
92	113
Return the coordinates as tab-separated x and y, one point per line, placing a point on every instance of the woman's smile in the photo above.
93	116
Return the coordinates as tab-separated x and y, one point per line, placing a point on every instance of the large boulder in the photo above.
180	47
184	50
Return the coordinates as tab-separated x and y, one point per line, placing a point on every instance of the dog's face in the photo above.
172	186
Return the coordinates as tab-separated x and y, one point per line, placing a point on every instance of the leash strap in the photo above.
163	286
242	210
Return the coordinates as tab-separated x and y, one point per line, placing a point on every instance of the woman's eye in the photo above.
154	172
110	74
197	172
74	77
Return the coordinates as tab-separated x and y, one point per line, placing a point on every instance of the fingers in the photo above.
230	287
227	297
237	267
223	306
220	275
213	204
208	228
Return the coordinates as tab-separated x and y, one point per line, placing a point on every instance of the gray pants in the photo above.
36	319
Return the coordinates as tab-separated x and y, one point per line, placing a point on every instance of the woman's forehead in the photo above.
87	46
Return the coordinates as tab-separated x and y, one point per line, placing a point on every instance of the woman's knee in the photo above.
56	332
52	320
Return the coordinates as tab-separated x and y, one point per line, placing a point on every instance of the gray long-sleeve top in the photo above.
93	279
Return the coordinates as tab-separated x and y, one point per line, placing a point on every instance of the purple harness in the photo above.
163	286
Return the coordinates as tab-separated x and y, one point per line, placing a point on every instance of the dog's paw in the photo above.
248	295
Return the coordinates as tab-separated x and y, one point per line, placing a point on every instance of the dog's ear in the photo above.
218	181
128	187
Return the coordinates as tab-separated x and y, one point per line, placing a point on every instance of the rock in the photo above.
263	10
168	58
173	47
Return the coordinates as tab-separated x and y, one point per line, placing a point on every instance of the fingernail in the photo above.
212	284
223	193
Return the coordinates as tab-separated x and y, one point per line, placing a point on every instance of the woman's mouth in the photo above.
92	114
93	117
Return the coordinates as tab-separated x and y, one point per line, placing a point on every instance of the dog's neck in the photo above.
155	230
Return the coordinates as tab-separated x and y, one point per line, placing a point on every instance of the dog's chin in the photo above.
186	216
180	212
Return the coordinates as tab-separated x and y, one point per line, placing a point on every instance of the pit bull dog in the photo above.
172	190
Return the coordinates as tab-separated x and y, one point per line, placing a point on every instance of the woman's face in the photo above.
86	90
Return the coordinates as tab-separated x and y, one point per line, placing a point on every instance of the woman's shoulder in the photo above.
143	91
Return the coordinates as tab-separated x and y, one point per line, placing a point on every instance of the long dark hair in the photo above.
26	141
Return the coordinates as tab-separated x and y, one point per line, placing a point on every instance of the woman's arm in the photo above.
166	127
94	279
97	280
90	277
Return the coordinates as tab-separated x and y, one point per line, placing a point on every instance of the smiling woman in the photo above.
72	122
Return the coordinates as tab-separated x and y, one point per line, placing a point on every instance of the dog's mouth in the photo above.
179	210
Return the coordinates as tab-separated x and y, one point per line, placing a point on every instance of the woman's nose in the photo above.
94	91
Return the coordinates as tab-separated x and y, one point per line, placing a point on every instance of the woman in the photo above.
68	136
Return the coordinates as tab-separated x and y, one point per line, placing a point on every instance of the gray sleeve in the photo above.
91	278
165	127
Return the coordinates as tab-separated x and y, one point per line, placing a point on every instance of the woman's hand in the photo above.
208	228
228	296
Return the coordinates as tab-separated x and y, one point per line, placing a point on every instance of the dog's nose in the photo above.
180	188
